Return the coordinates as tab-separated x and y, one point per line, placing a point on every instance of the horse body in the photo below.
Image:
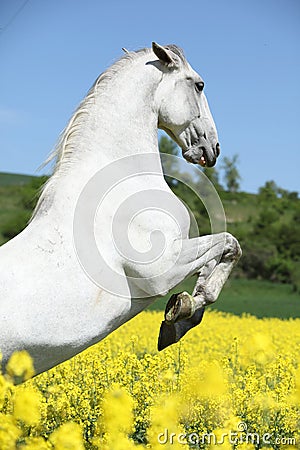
49	305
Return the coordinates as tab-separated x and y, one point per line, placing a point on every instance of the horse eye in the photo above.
199	86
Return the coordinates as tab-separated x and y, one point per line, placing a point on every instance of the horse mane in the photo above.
63	150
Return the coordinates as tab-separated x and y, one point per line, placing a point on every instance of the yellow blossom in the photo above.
246	446
117	412
229	374
20	366
4	387
36	443
164	422
26	406
9	432
67	437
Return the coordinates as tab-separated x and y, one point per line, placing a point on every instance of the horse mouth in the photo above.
195	155
202	161
199	155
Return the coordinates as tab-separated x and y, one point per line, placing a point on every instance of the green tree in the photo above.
213	175
170	165
231	174
29	194
166	145
269	191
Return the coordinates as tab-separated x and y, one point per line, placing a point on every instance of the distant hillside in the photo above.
18	194
16	179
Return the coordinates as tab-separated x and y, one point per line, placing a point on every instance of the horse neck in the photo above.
126	120
117	119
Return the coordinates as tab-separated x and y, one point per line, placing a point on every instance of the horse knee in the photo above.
232	250
210	297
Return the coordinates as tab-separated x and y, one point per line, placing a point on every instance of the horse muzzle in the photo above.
201	152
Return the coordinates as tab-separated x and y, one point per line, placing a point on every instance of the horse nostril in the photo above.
218	149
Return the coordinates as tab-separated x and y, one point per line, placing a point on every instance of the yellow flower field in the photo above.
232	383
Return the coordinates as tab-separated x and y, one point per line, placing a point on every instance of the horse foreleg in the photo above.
185	311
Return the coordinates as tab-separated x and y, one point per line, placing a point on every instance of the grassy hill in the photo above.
18	194
259	298
11	186
14	179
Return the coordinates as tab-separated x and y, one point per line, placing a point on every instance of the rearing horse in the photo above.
98	251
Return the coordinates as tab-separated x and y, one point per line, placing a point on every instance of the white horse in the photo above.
62	291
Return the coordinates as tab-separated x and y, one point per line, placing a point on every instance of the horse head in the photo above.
183	111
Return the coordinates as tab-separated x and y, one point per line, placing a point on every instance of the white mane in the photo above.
63	148
63	151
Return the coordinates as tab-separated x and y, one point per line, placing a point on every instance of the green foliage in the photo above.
256	258
16	224
30	193
242	296
14	179
170	165
168	146
268	192
231	174
26	197
213	175
272	244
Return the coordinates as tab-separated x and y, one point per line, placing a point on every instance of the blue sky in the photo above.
247	51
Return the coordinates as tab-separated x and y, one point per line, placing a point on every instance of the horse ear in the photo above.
164	55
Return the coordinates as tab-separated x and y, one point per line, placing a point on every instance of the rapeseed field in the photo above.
232	383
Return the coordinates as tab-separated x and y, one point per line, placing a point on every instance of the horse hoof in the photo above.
171	332
167	335
180	306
